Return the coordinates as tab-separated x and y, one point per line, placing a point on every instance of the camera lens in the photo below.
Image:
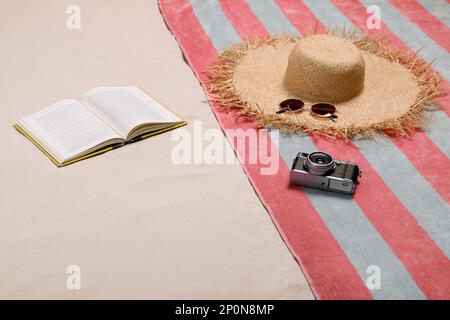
320	158
319	163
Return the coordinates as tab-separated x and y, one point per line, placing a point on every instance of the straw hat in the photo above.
372	87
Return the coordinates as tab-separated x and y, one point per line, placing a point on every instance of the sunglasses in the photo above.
322	110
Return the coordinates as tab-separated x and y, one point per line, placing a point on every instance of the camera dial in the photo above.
319	163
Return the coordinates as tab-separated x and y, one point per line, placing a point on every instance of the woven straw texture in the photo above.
374	88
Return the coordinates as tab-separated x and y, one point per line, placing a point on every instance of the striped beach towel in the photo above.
392	239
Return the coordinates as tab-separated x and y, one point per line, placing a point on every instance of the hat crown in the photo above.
325	68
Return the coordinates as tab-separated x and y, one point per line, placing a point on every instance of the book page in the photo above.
125	108
68	128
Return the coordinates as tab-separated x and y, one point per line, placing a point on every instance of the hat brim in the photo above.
398	88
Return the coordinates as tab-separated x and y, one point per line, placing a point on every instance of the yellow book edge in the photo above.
92	154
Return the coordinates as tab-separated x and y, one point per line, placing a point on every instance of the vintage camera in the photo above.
319	170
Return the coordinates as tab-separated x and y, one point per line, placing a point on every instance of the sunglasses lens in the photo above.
291	104
323	109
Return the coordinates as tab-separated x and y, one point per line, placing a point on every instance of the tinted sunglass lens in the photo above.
291	104
323	109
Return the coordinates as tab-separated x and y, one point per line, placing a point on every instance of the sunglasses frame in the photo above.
330	115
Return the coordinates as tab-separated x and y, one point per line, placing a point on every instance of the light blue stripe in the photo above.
439	8
215	23
271	17
327	13
430	210
413	36
439	131
361	242
439	124
353	231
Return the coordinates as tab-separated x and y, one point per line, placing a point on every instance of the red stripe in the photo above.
429	24
303	230
240	15
429	160
444	101
199	54
418	147
299	14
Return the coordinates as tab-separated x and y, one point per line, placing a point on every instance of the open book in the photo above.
105	118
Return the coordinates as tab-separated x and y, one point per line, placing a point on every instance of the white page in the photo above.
127	107
69	128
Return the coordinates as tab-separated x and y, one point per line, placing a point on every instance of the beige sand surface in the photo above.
136	224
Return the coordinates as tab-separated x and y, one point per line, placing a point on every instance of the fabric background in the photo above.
137	225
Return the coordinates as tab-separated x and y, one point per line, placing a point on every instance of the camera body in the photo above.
320	171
